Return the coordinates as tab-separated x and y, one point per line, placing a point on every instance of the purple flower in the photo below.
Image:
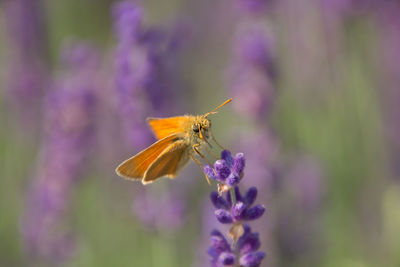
223	254
297	230
338	6
26	26
252	6
252	259
127	21
159	213
261	149
68	137
144	71
241	211
228	170
305	183
389	23
234	209
145	62
27	77
252	73
131	66
347	8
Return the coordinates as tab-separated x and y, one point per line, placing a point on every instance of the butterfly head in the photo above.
200	127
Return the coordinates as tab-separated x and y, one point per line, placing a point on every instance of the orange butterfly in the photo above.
178	139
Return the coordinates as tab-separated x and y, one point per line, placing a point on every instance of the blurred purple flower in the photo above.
389	23
127	21
163	213
251	81
144	61
261	149
252	73
26	26
252	6
68	137
207	225
27	78
131	66
345	8
338	7
297	232
304	183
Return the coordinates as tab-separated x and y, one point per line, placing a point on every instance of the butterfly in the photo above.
179	139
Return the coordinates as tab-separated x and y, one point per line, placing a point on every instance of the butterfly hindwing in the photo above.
136	166
168	162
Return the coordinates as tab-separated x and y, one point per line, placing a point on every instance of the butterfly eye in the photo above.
195	128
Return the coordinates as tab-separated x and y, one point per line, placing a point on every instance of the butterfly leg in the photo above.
201	167
215	140
195	146
212	153
208	143
195	149
209	149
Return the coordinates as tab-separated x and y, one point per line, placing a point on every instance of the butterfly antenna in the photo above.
214	111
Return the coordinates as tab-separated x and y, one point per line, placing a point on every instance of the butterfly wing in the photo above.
163	127
168	163
135	167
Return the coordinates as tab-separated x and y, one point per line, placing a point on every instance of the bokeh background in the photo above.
316	110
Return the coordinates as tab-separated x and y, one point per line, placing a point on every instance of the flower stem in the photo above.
233	195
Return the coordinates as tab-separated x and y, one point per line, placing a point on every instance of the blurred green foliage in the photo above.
342	127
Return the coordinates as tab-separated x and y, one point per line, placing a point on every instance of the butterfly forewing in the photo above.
163	127
135	167
168	163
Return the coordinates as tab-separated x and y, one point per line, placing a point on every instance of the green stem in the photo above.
233	196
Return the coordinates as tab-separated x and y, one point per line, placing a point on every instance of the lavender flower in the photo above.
234	209
389	24
144	65
131	65
252	76
161	213
25	21
346	8
241	210
298	216
145	58
252	6
338	7
252	73
251	80
227	171
27	77
145	62
244	253
68	136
